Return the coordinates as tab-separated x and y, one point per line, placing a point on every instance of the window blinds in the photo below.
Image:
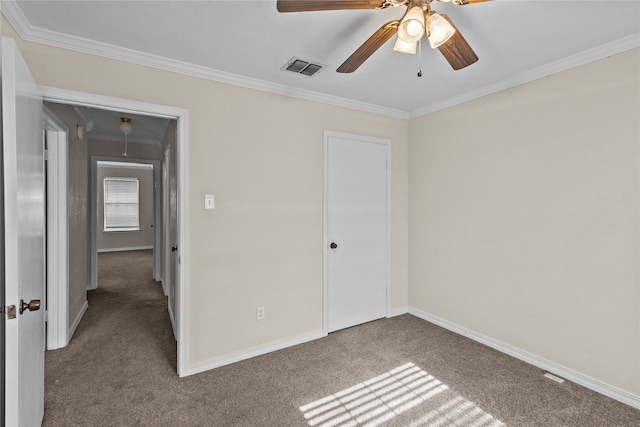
121	204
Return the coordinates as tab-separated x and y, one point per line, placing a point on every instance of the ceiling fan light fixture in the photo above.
439	30
405	47
411	28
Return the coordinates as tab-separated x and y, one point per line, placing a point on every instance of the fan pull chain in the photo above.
420	58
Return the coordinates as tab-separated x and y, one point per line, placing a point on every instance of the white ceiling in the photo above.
104	125
248	42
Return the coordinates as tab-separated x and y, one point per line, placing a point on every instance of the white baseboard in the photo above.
173	322
131	248
399	311
77	320
251	352
554	368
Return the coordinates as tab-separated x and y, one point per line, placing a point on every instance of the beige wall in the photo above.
123	240
77	210
524	210
262	156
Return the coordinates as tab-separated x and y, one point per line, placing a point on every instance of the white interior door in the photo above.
356	230
166	275
24	239
172	235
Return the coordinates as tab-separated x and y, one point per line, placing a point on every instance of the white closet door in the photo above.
357	260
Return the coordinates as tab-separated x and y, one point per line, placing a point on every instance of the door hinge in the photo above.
46	155
46	316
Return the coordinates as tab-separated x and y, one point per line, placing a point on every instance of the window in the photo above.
121	204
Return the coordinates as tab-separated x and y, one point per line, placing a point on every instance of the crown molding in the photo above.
30	33
39	35
600	52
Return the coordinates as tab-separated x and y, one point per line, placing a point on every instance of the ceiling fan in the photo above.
418	20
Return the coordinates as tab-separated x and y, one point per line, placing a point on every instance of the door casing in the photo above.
157	246
57	228
69	97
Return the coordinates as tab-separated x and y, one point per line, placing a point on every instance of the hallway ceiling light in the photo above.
126	127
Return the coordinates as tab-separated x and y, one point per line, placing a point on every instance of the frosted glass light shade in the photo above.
411	29
405	47
439	30
125	125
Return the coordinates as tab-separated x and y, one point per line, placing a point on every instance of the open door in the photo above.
23	189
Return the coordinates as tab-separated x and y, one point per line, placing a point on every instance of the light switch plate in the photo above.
209	201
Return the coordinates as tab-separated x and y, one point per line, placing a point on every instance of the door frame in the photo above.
166	279
57	232
93	167
327	134
70	97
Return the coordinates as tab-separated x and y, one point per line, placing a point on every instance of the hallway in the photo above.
124	341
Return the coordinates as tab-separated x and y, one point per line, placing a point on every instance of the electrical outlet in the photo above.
260	313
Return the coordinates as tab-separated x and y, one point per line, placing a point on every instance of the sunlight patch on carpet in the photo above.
380	399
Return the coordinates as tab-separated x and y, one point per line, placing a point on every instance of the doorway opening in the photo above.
80	133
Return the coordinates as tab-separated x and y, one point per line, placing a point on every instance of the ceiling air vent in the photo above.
300	66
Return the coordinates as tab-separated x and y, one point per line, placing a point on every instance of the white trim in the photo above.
398	311
76	322
121	165
182	159
131	248
39	35
325	224
252	352
109	103
559	370
57	232
182	285
166	229
173	321
600	52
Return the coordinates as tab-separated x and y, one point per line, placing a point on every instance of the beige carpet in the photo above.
120	370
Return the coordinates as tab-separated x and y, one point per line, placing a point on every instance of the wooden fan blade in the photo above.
456	50
367	49
313	5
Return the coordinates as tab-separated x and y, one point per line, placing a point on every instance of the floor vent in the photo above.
300	66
